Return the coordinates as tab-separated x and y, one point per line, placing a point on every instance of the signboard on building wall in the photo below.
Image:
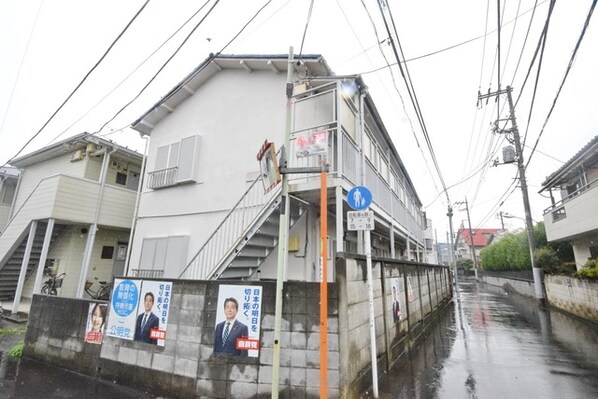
266	156
238	321
311	143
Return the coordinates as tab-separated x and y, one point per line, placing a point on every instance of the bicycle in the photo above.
49	287
102	293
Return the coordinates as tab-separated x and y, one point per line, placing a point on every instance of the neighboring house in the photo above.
464	242
431	247
573	216
9	179
72	214
204	213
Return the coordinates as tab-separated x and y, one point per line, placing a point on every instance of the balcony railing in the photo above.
558	209
163	178
147	273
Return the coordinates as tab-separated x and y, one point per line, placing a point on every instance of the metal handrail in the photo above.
570	196
219	244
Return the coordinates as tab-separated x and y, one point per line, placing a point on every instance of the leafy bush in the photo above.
587	273
17	350
589	270
510	253
546	259
11	331
465	264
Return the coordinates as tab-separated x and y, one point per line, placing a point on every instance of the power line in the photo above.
132	72
311	6
12	92
80	83
212	56
581	36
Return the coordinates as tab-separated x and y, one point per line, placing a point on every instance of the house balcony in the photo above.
573	216
326	111
75	199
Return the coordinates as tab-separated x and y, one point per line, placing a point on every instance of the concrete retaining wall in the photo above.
522	287
186	366
573	295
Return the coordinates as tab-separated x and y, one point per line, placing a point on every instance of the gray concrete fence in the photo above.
187	367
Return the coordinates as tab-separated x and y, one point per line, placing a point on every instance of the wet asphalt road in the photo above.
487	344
490	344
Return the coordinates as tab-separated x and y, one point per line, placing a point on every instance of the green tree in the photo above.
465	264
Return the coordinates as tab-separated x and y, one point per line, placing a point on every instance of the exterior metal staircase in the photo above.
245	238
10	270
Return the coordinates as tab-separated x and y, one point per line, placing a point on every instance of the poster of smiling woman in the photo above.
96	323
238	316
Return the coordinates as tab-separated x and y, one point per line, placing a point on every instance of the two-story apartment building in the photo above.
9	178
573	215
72	213
204	211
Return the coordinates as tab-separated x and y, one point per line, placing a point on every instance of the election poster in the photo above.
96	323
139	310
238	321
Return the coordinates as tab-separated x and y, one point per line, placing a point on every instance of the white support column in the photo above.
340	245
44	255
23	274
392	240
91	235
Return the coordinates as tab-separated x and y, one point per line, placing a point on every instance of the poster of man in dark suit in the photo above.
396	305
228	330
146	321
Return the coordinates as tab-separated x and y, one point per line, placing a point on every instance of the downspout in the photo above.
136	210
91	236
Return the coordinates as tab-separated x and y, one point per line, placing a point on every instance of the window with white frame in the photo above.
166	254
175	163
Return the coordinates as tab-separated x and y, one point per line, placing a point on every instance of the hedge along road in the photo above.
493	344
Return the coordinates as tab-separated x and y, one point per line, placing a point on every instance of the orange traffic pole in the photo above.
324	284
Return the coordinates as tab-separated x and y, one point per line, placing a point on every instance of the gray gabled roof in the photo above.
70	145
312	64
562	175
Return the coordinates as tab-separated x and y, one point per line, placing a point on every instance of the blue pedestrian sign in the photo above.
359	198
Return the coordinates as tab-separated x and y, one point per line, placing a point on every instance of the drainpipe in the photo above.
93	227
136	210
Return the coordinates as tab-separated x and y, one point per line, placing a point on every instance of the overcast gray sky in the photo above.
47	48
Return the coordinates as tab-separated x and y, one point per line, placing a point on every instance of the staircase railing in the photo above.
224	239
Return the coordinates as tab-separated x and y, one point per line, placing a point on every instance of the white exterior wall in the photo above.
68	256
4	211
581	249
582	217
33	174
230	137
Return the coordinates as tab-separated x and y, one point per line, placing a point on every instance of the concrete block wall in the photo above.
573	295
354	331
56	332
186	366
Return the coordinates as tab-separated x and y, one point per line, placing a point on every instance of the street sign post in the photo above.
359	198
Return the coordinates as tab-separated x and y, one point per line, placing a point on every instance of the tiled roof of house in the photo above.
480	236
571	162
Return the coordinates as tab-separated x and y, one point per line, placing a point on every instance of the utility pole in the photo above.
471	246
538	287
452	249
502	222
